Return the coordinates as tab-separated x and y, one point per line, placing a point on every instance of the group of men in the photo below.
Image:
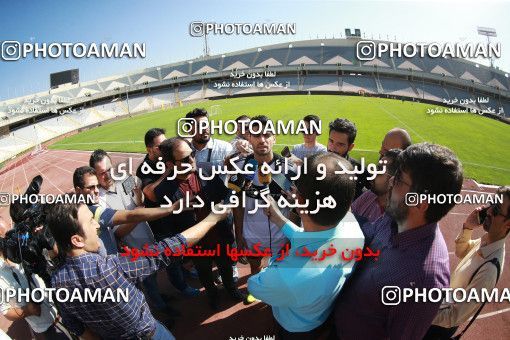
310	298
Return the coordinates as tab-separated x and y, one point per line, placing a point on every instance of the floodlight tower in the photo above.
206	46
488	32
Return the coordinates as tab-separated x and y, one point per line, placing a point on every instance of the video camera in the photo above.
25	242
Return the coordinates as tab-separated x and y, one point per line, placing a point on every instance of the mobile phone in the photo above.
482	214
129	184
282	181
285	152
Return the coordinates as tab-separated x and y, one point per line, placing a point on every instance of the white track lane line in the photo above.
46	178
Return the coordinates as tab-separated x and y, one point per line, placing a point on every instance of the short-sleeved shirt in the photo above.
301	290
301	151
213	153
13	276
104	216
116	198
473	257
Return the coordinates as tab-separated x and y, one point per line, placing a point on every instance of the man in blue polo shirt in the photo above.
301	288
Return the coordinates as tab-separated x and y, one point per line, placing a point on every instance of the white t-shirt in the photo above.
39	324
301	151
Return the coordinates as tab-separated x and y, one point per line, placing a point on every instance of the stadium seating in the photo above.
323	65
355	83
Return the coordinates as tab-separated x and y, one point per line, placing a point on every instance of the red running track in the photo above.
198	321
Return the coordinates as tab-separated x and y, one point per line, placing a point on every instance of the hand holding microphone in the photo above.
241	182
249	177
264	179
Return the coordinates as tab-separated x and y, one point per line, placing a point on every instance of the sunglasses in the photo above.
188	158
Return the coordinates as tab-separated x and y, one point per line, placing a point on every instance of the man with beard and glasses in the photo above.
413	253
475	270
371	203
342	134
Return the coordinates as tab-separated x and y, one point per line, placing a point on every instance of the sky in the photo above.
164	27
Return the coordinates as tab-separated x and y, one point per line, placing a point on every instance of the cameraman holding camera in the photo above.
43	318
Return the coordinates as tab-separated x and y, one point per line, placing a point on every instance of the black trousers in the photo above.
204	266
440	333
321	332
54	332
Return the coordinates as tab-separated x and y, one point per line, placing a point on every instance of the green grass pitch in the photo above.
482	144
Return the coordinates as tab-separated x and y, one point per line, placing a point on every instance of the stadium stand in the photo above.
355	83
398	87
321	65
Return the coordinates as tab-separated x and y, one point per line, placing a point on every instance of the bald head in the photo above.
396	138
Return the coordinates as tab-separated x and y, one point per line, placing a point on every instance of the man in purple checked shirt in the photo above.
413	253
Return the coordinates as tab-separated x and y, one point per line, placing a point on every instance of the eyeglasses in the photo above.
90	187
187	159
397	179
104	173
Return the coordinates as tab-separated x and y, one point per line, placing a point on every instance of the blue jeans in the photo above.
162	333
176	276
152	290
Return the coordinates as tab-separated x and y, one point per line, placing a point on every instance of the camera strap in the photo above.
16	277
496	263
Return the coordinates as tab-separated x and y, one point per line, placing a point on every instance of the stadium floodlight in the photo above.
207	51
349	34
488	32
